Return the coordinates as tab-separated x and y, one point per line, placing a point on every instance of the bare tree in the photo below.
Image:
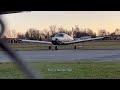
102	32
76	31
112	34
3	36
117	31
90	32
45	34
62	30
20	36
8	34
13	33
32	34
108	33
27	35
53	30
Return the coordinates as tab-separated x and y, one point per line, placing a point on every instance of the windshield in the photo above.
60	35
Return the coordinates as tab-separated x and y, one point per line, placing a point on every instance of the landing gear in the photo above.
50	47
75	47
56	47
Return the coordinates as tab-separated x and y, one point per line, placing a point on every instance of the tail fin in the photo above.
72	34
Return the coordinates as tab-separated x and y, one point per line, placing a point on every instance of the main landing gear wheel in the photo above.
50	47
56	47
75	47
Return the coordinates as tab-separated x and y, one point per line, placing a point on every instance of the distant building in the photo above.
107	38
115	37
10	40
112	37
85	37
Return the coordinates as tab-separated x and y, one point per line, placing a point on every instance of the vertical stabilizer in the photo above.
72	33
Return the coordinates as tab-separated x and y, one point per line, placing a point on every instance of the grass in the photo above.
10	71
92	45
77	70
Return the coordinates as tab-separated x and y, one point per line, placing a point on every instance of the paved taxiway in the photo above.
65	55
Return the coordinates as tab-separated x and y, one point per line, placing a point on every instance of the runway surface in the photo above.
65	56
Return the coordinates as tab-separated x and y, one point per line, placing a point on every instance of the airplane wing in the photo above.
79	40
34	41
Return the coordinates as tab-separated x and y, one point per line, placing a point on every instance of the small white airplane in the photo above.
61	39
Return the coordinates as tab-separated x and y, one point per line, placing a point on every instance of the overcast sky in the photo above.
95	20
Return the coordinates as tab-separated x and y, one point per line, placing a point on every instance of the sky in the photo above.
95	20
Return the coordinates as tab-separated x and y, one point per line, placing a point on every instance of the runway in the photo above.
65	56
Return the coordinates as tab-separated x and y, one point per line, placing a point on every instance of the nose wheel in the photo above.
75	47
50	47
56	47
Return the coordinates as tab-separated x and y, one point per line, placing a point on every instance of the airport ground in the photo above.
92	45
76	70
103	64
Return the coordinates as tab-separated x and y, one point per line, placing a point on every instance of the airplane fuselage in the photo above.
60	38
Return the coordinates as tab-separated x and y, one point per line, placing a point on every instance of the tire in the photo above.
50	47
75	47
56	47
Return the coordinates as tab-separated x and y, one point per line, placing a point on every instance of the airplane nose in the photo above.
53	39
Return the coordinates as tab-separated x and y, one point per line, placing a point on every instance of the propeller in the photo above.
58	41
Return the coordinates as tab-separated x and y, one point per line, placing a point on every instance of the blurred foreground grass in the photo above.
77	70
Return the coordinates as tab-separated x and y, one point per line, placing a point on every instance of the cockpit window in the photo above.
60	35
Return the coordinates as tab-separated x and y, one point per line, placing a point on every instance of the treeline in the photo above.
46	34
